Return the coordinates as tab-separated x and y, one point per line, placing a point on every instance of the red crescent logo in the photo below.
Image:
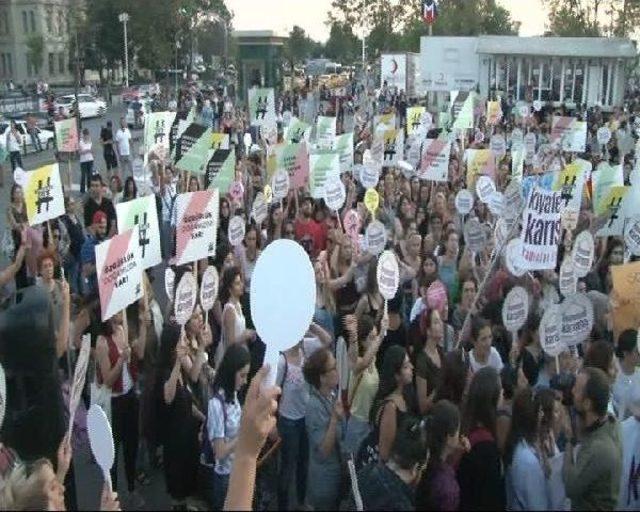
394	69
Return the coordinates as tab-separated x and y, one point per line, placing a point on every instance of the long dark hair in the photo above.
482	401
134	191
524	422
455	367
391	365
235	358
444	421
228	277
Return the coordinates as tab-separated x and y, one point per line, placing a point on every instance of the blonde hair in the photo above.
24	487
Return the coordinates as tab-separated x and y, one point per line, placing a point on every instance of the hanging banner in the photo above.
321	166
434	164
142	212
297	131
570	133
344	147
414	118
157	128
463	111
393	71
541	230
494	113
43	194
196	226
119	269
221	170
325	132
220	141
385	121
293	158
603	179
194	160
66	135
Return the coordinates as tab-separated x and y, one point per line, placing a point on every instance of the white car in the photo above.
89	105
46	136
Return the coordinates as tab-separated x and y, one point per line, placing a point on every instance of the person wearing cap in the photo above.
95	234
629	495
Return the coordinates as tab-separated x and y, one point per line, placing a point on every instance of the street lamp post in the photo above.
176	70
124	18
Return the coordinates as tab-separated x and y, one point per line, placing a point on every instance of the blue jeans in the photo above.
86	170
294	456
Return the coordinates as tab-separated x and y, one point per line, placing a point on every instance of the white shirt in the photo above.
86	153
295	393
13	144
493	360
123	138
621	392
218	428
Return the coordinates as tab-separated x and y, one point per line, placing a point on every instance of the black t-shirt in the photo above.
106	206
106	134
397	337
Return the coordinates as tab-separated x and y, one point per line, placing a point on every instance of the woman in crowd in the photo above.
249	252
325	310
85	149
234	328
371	302
448	264
115	189
428	356
323	420
16	222
223	417
117	358
130	190
482	353
629	373
438	488
480	470
390	404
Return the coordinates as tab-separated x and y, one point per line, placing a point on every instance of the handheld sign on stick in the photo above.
208	291
388	276
101	441
283	297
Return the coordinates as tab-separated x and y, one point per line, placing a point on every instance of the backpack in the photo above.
206	450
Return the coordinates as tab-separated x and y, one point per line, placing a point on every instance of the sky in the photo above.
282	15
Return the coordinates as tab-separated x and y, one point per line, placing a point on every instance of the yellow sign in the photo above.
414	118
626	297
268	194
372	200
612	201
494	112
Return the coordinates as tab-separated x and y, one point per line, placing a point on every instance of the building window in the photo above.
3	64
52	65
60	23
49	19
25	25
61	63
32	19
29	66
9	65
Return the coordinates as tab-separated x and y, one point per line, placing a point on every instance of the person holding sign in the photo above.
117	360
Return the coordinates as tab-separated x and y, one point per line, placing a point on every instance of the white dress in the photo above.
240	327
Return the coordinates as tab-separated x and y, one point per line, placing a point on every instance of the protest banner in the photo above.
195	159
191	135
375	237
498	145
385	122
632	235
391	144
570	182
485	188
414	119
298	131
79	377
464	202
66	135
541	230
326	132
434	164
294	159
185	299
142	212
196	226
220	141
570	133
119	269
262	107
344	147
157	128
626	295
335	193
550	332
321	166
462	110
220	171
515	309
43	195
576	313
612	210
480	162
236	230
259	210
603	179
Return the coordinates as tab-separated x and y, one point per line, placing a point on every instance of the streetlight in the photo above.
178	46
124	18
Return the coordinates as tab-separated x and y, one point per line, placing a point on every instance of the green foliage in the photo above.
342	45
573	18
299	46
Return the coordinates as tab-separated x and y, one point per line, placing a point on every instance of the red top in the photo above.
311	235
114	354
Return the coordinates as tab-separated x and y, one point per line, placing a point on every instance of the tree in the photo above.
573	18
298	47
342	45
35	51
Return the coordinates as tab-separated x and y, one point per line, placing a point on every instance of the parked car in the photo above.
89	105
46	136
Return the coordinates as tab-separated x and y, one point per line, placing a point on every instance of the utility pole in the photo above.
176	70
124	18
76	86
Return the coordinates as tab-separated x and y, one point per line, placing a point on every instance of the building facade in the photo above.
35	41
